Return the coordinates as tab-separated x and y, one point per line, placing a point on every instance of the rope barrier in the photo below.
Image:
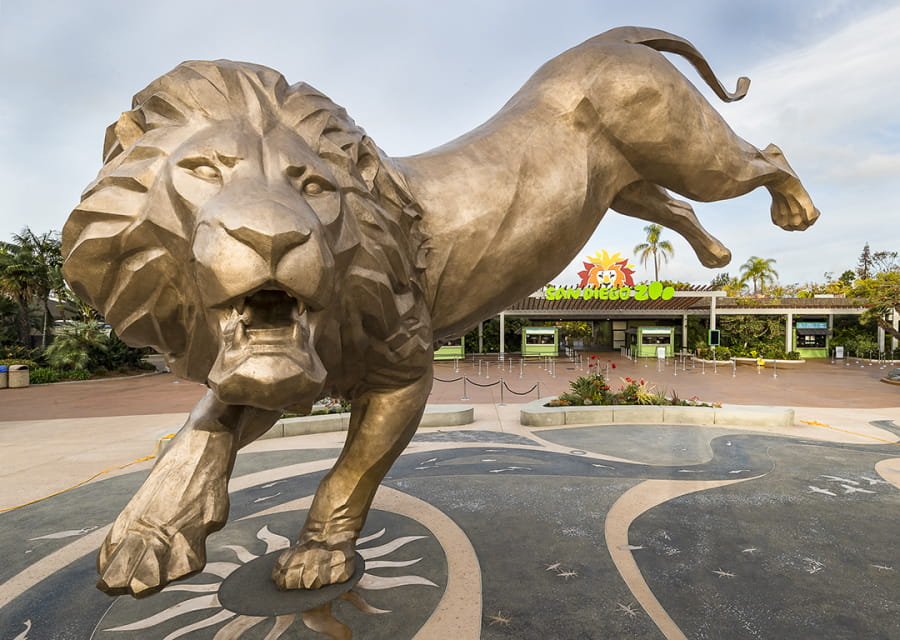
484	386
454	379
469	380
523	393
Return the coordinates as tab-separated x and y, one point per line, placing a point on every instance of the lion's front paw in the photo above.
145	559
312	565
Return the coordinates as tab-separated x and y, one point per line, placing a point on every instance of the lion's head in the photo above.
250	231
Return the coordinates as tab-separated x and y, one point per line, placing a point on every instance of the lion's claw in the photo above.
314	565
145	560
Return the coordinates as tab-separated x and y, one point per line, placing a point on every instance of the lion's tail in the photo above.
664	41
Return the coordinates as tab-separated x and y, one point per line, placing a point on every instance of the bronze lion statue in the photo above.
250	231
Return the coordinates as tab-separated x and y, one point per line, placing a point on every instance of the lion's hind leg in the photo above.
651	202
161	534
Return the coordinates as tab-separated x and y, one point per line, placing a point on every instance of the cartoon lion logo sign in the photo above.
252	233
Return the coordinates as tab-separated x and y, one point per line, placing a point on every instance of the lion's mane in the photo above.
128	243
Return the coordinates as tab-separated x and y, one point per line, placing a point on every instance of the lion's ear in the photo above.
123	133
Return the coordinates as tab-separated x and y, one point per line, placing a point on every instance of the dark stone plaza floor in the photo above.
501	531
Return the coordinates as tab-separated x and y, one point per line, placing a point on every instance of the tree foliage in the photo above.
882	296
31	268
655	248
760	272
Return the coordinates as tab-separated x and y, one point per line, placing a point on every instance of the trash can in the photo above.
18	376
4	376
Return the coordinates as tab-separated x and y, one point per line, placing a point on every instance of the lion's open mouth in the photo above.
268	320
266	357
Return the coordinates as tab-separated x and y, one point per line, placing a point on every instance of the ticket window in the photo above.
656	339
539	338
811	341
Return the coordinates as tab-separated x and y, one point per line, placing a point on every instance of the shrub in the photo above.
77	345
593	390
639	392
43	375
31	364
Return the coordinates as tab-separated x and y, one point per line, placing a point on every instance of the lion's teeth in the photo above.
239	307
240	334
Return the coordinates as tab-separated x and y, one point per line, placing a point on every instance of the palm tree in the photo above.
47	276
655	247
77	345
760	272
19	271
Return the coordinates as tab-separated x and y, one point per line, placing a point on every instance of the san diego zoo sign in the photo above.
609	277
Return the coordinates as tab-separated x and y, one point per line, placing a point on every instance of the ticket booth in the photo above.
540	341
454	349
648	341
811	338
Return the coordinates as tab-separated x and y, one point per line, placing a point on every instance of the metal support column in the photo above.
684	332
502	337
481	337
896	325
789	332
712	313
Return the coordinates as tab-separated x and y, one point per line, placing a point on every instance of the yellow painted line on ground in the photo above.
75	486
816	423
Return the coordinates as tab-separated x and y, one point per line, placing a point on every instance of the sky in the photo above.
825	87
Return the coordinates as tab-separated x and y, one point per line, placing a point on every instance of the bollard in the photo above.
501	392
703	368
479	368
487	369
465	395
774	368
733	368
521	368
538	385
456	365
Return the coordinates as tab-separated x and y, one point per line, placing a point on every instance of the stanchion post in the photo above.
465	395
502	384
521	368
538	385
774	368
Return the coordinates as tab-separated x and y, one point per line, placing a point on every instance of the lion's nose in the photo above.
270	245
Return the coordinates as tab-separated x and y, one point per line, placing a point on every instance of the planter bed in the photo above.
536	414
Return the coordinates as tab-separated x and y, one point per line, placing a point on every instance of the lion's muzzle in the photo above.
266	358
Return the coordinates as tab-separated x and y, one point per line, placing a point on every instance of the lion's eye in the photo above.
316	186
206	171
312	188
202	168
